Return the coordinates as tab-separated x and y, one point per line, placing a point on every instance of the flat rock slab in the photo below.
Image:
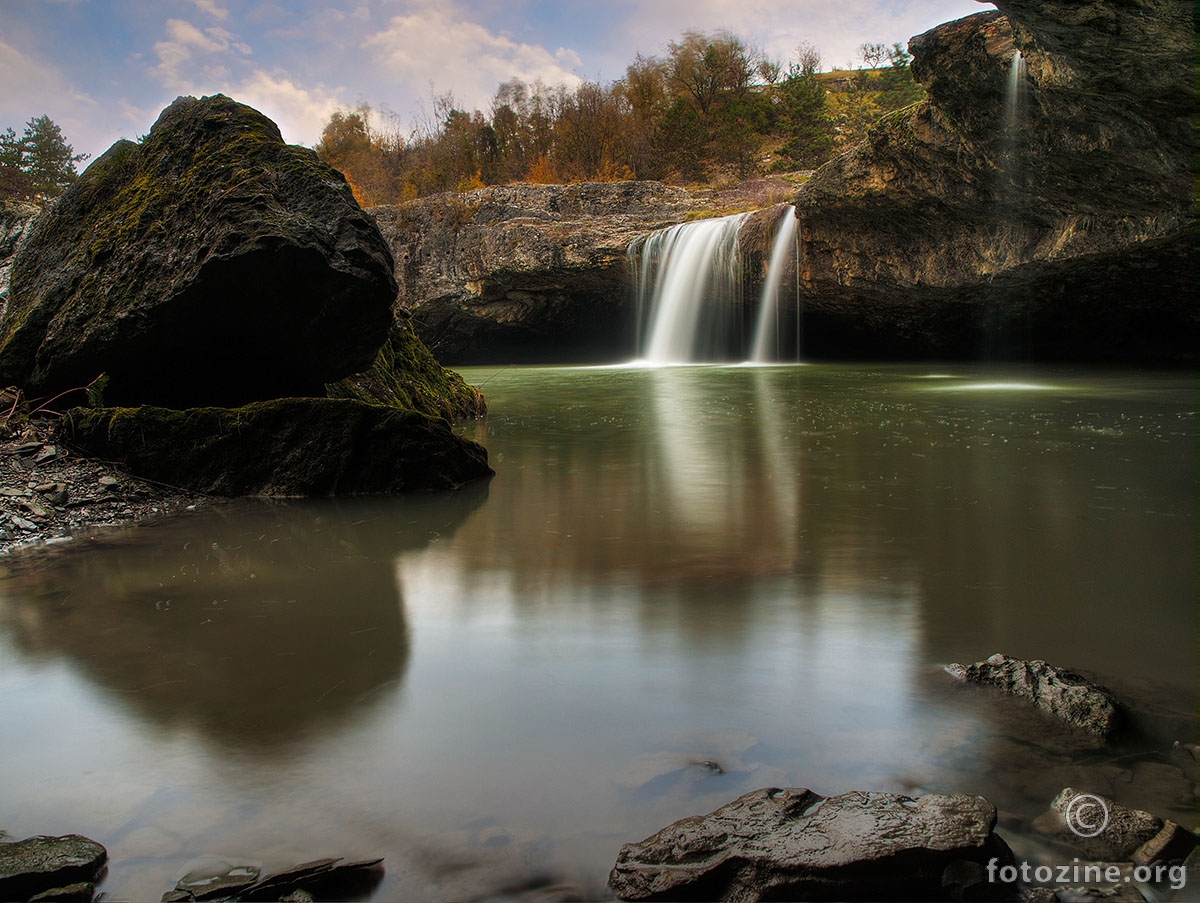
1104	830
795	844
322	879
288	447
37	864
1067	696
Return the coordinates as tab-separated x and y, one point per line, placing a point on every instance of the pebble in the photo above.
48	496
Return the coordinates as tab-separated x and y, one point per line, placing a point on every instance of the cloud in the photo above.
836	29
217	12
436	41
186	42
300	113
34	87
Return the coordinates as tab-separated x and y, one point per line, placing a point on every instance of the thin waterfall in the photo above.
1012	93
689	287
766	333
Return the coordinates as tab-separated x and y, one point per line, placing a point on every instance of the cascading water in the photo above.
689	281
766	332
1013	91
1010	139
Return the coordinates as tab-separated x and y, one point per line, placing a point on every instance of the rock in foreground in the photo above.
38	864
209	264
794	844
286	447
1104	830
1067	696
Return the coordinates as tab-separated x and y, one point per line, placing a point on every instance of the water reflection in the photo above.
758	568
250	626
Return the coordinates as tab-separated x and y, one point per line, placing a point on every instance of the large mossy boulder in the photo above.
283	448
211	263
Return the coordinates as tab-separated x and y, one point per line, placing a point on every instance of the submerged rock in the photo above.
1063	694
1104	830
39	864
322	879
284	447
209	264
794	844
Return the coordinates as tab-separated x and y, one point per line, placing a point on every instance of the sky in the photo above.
104	69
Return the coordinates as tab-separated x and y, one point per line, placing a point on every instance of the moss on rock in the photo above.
210	264
287	447
406	375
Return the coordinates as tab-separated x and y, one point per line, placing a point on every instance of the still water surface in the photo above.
683	584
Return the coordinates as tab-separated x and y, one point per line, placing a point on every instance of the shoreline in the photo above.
50	493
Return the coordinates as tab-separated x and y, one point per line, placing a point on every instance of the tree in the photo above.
40	164
873	54
14	180
801	110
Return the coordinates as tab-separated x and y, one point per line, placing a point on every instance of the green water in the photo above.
761	568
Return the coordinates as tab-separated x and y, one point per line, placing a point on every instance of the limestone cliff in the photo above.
526	272
1041	213
1035	210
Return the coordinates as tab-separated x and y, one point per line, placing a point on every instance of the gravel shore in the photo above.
49	493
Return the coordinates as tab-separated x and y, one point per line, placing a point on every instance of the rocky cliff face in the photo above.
1051	221
1036	211
526	272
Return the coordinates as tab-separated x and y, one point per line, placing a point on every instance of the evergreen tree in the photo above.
49	161
14	181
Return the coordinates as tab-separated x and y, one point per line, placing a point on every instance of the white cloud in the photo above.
836	29
33	87
187	42
437	42
209	6
300	113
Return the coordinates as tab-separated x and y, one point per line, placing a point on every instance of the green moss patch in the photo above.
406	375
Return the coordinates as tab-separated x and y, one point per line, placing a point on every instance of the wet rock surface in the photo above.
323	879
209	264
55	868
1104	830
796	844
524	273
1064	694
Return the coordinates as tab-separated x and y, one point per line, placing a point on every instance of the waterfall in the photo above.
766	332
689	285
1012	92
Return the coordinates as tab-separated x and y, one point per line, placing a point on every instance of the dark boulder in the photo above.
794	844
284	447
1064	694
39	864
209	264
